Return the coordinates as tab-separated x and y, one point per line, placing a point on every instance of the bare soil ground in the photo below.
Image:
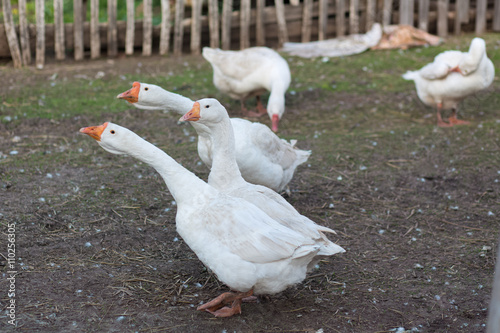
97	250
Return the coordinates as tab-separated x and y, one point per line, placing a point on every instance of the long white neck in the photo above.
224	172
276	102
182	184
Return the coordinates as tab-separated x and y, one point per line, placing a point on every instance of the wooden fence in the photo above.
254	23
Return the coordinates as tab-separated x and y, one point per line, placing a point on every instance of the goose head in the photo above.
111	137
206	111
470	62
144	96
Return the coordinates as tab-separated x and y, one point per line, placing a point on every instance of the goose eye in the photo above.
146	88
112	131
207	106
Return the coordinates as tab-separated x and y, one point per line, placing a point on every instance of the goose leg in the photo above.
440	121
261	110
454	121
217	308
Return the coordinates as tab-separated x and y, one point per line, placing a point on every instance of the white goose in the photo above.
263	158
247	250
250	72
451	77
225	176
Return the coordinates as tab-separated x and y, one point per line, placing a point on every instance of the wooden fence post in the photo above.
322	19
481	6
10	31
354	17
442	23
340	17
245	15
59	45
24	35
95	39
406	12
213	22
280	16
423	14
178	27
147	28
130	30
227	10
386	15
496	16
78	29
371	13
196	26
112	29
306	21
165	27
40	33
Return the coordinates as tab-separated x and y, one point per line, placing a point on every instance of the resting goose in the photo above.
225	176
250	72
451	77
263	158
247	250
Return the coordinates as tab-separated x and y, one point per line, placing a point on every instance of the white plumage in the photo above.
451	77
263	158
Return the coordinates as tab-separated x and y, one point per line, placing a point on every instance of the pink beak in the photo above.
275	120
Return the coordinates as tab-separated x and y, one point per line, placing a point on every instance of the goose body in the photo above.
226	177
263	158
252	72
247	249
451	77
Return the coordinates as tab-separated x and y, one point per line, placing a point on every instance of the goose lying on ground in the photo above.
247	250
451	77
226	177
250	72
263	158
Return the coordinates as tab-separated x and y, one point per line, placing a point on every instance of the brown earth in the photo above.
97	249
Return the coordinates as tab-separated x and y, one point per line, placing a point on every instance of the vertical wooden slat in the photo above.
322	19
112	29
147	28
386	15
458	16
354	17
245	24
78	29
227	9
40	33
178	27
196	26
371	13
496	16
306	21
466	5
10	31
130	30
59	46
280	16
24	35
442	24
423	14
165	27
95	40
340	17
406	12
213	22
481	6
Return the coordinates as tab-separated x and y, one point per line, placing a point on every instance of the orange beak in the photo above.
274	122
94	131
131	95
456	70
193	114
